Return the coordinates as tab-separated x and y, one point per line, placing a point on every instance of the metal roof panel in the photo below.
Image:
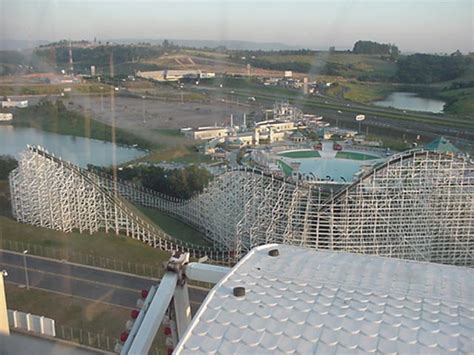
307	301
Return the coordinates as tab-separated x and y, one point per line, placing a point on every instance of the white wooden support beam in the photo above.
154	315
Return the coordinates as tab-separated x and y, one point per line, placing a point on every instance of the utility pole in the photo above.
26	269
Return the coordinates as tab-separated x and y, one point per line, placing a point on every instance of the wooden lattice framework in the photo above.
418	205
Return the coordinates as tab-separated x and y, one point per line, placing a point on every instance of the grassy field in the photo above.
460	101
301	154
83	316
355	156
347	64
98	244
167	95
361	92
50	89
174	227
69	311
169	132
178	154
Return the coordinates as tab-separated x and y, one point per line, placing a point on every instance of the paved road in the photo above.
98	285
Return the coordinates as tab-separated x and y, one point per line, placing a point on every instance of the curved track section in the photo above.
419	205
49	192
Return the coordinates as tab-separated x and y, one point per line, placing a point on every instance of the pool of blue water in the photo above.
338	170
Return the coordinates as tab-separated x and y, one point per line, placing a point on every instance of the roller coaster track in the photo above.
134	226
417	205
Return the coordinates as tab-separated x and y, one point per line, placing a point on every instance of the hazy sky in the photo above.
414	25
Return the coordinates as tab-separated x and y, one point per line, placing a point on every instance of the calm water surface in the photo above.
410	101
78	150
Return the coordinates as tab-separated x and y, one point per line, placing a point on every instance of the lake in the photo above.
78	150
411	101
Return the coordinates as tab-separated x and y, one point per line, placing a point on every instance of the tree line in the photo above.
125	58
7	164
181	183
370	47
429	68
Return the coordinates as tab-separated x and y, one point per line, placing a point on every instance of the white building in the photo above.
207	75
18	104
206	132
6	116
275	125
158	75
175	75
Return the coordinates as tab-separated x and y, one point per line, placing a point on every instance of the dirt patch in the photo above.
145	117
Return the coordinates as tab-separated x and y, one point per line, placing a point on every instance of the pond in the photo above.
78	150
411	101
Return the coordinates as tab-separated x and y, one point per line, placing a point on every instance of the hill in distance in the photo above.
229	44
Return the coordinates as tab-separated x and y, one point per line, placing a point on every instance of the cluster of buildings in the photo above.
264	132
8	116
14	104
287	81
175	75
285	125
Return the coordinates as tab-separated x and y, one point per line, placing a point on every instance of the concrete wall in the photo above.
32	323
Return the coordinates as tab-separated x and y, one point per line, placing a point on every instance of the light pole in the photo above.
26	269
101	99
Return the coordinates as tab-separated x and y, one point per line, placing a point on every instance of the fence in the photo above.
83	258
140	269
95	340
31	323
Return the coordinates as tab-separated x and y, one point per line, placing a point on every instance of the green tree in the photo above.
7	164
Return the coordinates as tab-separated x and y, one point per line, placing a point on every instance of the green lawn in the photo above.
301	154
69	311
174	227
178	154
345	64
83	316
460	101
51	89
169	132
98	244
361	92
355	156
